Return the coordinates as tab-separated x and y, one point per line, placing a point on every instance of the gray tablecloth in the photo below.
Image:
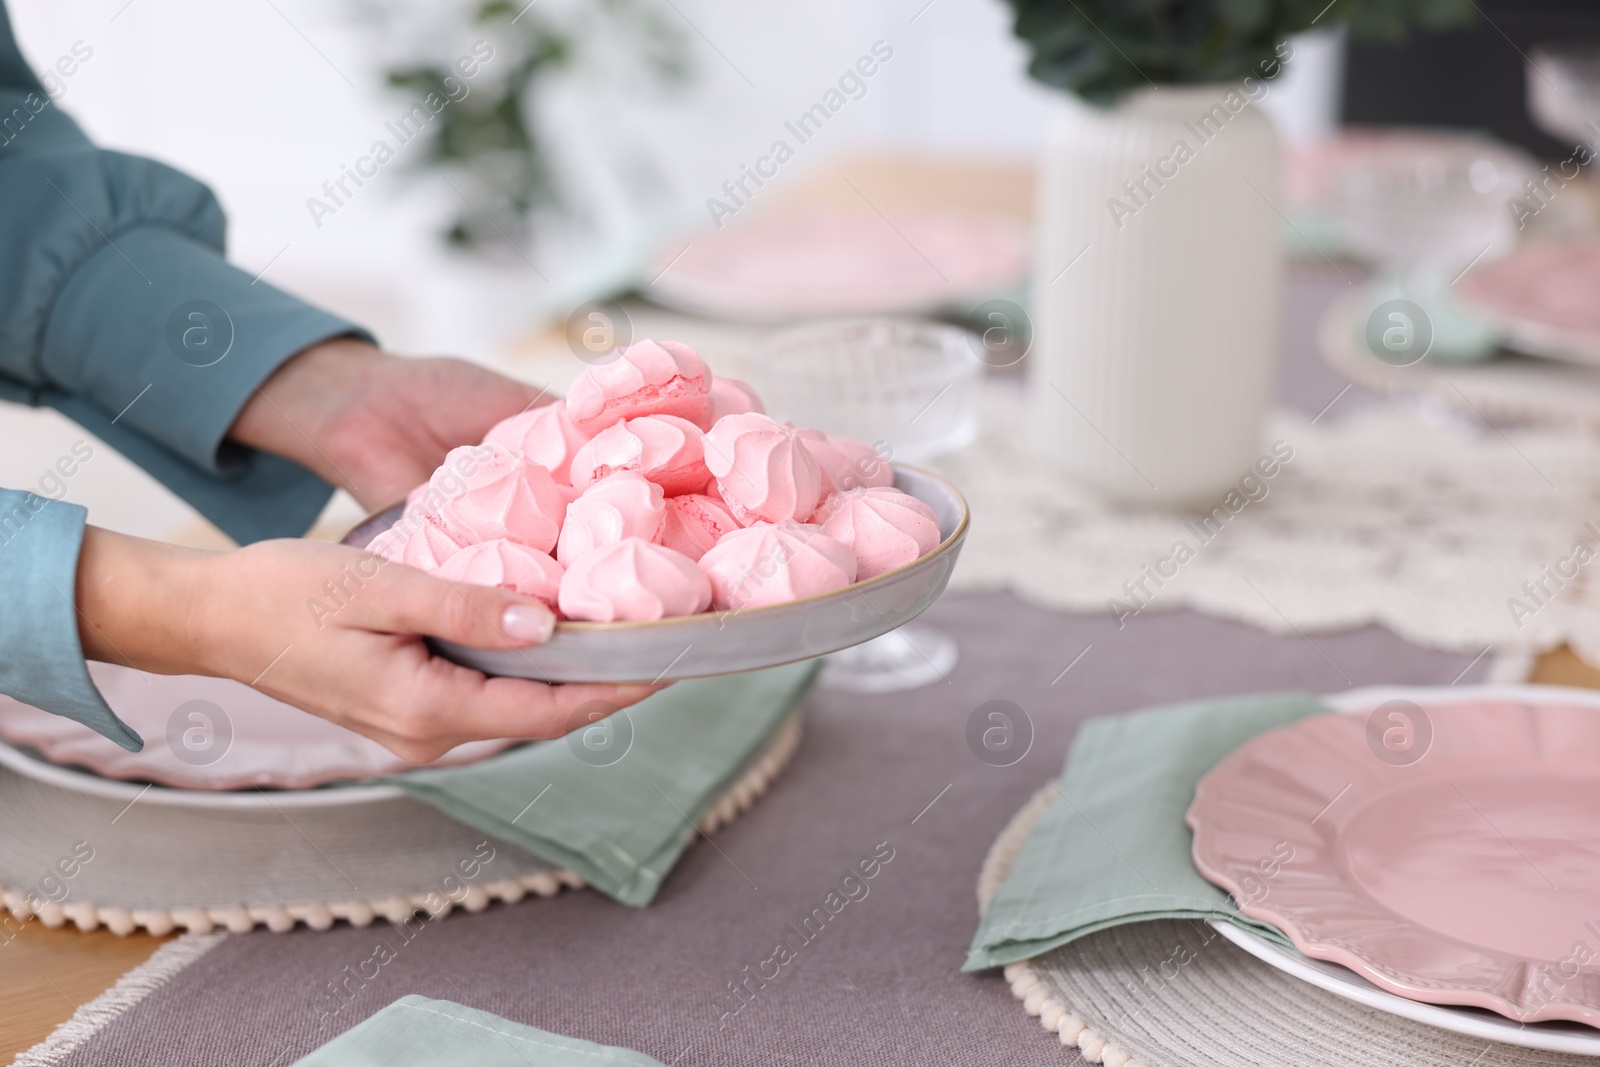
879	983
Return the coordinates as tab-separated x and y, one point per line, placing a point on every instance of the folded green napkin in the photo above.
1113	847
620	812
420	1032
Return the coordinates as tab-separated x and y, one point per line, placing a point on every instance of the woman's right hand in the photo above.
332	630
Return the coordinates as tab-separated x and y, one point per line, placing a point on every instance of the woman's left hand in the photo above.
333	631
375	424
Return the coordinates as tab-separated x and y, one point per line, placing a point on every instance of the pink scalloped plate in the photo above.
840	262
1450	856
1543	297
210	733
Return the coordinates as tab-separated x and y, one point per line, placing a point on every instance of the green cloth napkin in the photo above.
621	821
419	1032
1113	847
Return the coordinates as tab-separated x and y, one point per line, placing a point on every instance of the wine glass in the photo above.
908	388
1424	208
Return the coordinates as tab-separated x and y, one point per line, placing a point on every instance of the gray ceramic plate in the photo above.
697	646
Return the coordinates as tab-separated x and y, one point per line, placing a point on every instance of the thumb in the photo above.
410	601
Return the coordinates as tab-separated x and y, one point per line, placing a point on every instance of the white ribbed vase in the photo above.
1156	307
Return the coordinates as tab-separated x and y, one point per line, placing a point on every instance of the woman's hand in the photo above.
375	424
332	630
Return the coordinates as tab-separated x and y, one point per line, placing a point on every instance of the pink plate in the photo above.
210	733
1543	297
1450	856
840	263
1312	171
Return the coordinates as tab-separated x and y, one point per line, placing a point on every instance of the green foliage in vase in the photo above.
1100	49
492	137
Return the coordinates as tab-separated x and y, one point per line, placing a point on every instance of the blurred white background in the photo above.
267	99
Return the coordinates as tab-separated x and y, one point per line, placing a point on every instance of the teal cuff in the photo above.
41	656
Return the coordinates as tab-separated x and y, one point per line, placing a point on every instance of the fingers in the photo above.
500	396
420	706
451	705
405	600
514	707
382	487
503	711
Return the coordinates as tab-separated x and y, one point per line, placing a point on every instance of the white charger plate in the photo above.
1572	1038
35	767
209	734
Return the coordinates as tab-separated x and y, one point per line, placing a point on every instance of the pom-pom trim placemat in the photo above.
92	860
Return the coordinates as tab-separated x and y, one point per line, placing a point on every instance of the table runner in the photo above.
879	980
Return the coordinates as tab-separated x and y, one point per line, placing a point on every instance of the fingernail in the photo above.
528	622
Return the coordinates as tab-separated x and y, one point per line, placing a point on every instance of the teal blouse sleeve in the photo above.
41	658
118	309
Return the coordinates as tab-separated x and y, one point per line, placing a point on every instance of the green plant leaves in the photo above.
489	137
1100	49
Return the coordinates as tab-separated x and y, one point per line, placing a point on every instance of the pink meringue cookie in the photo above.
424	501
568	493
415	542
389	544
885	528
847	463
646	378
763	469
545	435
730	396
769	564
508	565
497	495
695	522
664	448
429	547
633	579
621	505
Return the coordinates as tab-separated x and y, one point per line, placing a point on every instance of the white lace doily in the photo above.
1426	526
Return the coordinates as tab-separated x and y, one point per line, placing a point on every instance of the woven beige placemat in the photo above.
69	856
1177	994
